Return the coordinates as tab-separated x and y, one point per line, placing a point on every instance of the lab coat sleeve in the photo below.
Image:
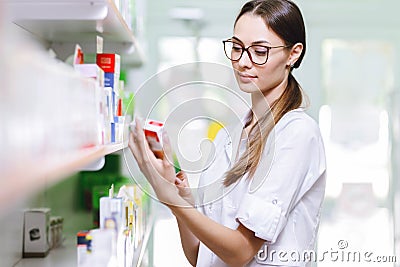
283	172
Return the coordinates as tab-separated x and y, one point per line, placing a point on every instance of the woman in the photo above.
261	209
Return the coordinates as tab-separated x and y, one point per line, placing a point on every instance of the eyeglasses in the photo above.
258	54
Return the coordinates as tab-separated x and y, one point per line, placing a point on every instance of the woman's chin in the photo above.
249	88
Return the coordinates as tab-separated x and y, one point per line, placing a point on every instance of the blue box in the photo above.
112	132
109	79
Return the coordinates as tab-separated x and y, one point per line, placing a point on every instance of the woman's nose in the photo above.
245	60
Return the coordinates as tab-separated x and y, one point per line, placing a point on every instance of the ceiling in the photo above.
220	14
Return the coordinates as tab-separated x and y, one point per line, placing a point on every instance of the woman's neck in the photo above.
261	103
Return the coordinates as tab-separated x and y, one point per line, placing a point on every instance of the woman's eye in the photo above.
237	48
260	52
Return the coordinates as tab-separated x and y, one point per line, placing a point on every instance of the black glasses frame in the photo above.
247	51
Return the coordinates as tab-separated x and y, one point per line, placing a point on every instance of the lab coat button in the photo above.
274	201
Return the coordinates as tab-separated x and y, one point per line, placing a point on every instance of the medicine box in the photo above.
83	247
110	63
153	132
36	234
111	213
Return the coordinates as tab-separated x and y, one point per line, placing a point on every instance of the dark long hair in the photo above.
285	19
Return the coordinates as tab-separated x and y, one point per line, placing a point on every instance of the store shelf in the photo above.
32	175
66	255
63	256
64	23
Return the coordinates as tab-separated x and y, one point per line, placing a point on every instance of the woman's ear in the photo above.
295	53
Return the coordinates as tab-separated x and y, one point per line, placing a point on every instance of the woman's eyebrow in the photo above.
237	39
253	43
261	42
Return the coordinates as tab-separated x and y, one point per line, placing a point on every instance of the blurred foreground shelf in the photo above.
64	23
29	176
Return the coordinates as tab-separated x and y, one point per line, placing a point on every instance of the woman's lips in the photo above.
246	77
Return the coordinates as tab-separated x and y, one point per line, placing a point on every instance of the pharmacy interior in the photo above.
75	73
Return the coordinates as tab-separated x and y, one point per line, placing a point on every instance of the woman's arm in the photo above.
234	247
190	243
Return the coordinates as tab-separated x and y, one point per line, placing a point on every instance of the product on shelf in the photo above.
109	94
93	71
42	232
125	216
83	246
36	235
111	65
111	211
103	248
78	55
56	230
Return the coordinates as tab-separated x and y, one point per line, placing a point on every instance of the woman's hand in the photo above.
184	190
159	172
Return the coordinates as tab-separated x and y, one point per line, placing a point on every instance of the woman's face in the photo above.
270	78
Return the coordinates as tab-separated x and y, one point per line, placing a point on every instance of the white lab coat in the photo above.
281	203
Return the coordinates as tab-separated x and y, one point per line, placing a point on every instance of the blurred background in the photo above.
349	73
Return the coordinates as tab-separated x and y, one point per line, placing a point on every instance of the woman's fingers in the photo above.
137	144
139	135
132	144
181	179
184	189
134	147
167	159
146	154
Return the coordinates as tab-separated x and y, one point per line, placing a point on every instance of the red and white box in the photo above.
110	63
153	132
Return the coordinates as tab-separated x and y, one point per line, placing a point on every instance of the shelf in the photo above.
66	255
64	23
63	256
30	176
